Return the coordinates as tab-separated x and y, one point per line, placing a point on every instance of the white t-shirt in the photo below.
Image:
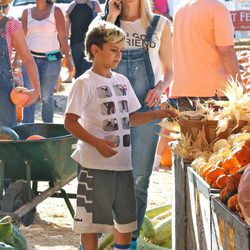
104	105
42	34
135	36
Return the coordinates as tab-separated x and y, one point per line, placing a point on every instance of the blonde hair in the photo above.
146	12
99	33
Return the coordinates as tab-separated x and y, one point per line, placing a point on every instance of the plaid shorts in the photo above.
105	200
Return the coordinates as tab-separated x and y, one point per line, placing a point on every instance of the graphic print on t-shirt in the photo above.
104	92
114	105
136	40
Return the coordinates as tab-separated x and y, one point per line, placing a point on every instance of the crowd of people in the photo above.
125	61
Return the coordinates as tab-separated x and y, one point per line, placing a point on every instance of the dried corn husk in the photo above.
221	143
170	126
238	138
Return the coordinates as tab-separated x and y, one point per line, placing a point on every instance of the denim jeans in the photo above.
48	76
81	65
7	108
136	66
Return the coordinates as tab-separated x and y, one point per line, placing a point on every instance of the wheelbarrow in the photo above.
27	162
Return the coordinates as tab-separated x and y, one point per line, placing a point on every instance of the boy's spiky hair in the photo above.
99	33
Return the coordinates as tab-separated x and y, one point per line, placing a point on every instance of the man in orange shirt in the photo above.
203	51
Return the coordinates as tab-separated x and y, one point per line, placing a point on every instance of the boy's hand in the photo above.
164	113
105	148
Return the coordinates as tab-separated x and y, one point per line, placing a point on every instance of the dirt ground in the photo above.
51	229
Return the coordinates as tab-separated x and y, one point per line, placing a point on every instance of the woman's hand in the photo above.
153	97
69	63
114	10
33	96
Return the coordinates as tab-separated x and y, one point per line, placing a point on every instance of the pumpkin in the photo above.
18	97
221	181
243	154
232	202
35	137
230	163
213	174
8	134
166	160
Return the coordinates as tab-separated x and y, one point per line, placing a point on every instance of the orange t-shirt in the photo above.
200	26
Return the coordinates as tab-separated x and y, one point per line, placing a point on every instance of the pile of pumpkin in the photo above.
223	168
156	231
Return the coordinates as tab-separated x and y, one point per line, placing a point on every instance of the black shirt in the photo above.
81	16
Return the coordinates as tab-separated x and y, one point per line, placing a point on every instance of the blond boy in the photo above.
101	108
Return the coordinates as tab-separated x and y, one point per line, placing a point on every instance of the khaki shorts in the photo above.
105	200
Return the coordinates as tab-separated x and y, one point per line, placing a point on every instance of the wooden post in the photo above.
179	225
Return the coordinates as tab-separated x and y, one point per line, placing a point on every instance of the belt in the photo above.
38	53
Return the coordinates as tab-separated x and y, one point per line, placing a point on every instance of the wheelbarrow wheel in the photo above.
15	197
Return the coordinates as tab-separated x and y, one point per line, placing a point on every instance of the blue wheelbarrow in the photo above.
27	162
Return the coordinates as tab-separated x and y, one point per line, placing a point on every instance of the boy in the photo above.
101	108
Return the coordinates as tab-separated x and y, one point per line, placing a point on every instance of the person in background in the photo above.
12	36
161	7
100	110
79	15
147	62
203	52
44	27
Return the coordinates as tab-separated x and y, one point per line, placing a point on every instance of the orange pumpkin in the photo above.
243	155
18	97
221	181
205	171
232	202
166	160
213	174
35	137
229	164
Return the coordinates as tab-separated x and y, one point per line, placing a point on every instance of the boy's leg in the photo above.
89	241
122	240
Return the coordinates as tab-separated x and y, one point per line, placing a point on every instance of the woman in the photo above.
44	27
147	62
11	35
78	18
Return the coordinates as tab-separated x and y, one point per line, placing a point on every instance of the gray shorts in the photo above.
105	200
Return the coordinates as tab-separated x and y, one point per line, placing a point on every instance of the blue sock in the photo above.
121	246
133	244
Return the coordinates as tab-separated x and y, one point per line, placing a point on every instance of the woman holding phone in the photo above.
147	63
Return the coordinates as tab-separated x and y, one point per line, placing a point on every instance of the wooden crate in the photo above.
229	232
191	207
199	209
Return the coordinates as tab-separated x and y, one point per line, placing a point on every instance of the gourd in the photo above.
145	245
148	228
35	137
11	235
18	97
163	231
151	213
8	134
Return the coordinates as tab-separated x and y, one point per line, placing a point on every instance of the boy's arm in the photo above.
104	147
140	118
